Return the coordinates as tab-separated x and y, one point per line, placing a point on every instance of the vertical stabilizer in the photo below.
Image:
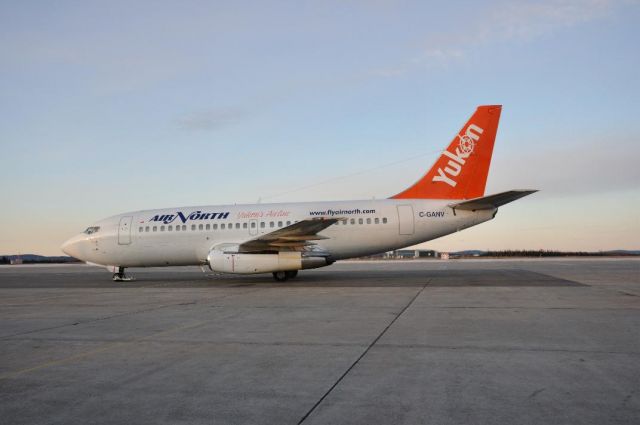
461	170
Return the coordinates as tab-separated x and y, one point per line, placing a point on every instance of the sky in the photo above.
109	107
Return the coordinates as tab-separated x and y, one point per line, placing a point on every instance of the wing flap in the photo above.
291	244
303	238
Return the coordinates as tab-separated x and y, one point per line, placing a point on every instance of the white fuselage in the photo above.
186	235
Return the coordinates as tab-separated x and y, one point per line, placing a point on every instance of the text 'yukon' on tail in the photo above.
462	169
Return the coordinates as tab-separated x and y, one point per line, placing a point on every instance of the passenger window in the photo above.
253	224
141	229
262	224
193	227
368	221
170	228
200	227
162	228
146	229
184	227
222	226
215	226
384	220
360	221
288	223
155	228
279	224
377	220
353	221
244	225
208	226
271	224
237	225
178	228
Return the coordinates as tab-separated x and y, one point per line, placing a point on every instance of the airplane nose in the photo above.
72	247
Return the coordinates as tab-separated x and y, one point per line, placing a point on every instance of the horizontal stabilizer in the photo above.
491	201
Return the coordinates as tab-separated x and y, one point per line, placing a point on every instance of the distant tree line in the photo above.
41	260
543	253
51	260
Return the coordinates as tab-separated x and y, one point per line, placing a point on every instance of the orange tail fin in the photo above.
461	171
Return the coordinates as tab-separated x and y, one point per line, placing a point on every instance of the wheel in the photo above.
121	277
291	274
280	276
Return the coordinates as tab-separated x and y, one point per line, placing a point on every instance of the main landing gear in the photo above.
282	276
121	277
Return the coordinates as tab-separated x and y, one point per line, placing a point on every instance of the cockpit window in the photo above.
92	229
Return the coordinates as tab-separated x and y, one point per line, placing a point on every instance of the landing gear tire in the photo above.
280	276
291	274
121	277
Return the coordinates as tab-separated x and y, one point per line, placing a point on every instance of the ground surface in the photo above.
482	342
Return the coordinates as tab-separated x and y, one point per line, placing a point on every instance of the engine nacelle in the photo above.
244	263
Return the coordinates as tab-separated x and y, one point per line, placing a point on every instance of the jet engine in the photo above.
248	263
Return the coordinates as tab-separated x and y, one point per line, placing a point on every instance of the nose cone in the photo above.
73	247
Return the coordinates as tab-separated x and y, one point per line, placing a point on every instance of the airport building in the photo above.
406	254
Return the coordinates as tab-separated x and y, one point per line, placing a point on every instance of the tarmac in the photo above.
406	342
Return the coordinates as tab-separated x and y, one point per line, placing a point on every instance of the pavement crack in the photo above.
506	349
113	316
97	319
99	350
627	398
364	353
536	392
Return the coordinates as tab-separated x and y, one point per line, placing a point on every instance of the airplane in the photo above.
284	238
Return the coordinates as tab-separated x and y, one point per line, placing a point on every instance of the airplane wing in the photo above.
491	201
295	237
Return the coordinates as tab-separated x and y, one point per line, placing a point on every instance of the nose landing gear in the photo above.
282	276
121	277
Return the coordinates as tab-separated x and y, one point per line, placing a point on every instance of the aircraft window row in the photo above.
231	226
369	220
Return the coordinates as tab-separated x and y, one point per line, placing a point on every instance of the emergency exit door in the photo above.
253	227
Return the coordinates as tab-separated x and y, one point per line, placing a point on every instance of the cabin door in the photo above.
124	231
405	219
